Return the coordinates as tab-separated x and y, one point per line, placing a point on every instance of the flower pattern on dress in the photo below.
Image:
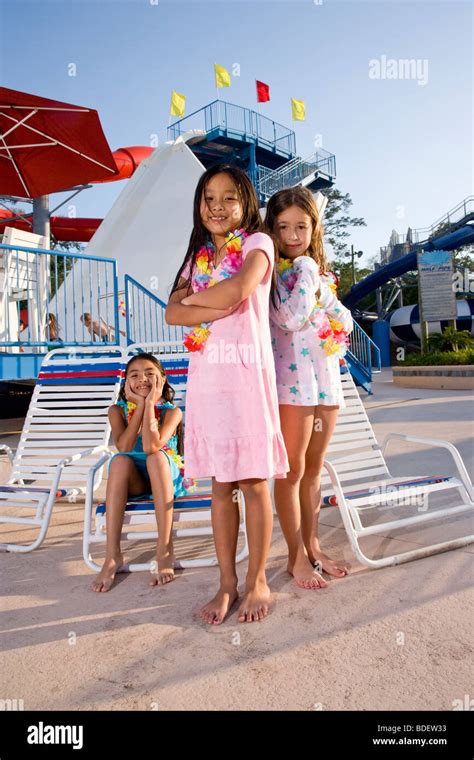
307	374
334	338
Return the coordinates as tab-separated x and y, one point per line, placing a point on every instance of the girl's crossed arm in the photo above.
294	310
228	294
177	313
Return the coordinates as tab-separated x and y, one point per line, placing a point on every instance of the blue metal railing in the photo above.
295	171
364	350
239	122
145	316
58	289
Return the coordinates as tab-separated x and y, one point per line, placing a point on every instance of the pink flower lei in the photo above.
188	483
196	337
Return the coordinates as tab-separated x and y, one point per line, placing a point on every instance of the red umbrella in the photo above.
47	146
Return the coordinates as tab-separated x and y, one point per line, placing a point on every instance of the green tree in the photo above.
337	220
450	340
60	266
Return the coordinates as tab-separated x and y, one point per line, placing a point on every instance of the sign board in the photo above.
436	291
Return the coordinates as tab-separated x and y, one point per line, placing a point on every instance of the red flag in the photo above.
263	92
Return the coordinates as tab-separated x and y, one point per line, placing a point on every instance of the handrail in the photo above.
245	121
422	234
58	288
294	171
52	251
145	315
363	348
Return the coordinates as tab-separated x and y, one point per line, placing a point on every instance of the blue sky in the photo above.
403	148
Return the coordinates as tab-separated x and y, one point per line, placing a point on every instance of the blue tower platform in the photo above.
265	149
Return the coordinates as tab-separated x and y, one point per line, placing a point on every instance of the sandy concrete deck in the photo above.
390	639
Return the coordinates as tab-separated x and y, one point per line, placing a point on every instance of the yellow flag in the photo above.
222	76
297	109
177	104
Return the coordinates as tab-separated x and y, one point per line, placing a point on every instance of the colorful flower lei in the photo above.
188	483
196	337
334	340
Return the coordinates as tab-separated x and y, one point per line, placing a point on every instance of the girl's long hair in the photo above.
168	392
304	199
53	327
251	220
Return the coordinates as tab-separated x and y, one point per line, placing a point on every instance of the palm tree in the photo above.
450	340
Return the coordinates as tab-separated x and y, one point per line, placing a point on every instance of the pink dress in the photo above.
232	430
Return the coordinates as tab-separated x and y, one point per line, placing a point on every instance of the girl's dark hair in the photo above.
304	199
168	392
251	220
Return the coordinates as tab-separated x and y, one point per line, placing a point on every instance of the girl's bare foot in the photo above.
104	580
255	603
162	569
327	564
304	573
215	611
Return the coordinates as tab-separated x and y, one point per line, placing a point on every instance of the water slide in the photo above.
408	263
81	230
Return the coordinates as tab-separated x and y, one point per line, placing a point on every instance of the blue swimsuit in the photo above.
139	457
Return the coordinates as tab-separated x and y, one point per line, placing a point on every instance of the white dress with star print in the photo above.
306	375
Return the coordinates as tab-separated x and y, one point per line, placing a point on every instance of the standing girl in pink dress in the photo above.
232	430
309	333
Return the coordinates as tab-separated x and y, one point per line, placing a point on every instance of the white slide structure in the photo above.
147	229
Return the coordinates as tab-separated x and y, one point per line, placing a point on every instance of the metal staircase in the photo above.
316	171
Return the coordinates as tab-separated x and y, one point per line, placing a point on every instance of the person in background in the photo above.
21	327
99	328
53	330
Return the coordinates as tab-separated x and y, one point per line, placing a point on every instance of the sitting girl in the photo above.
309	328
147	431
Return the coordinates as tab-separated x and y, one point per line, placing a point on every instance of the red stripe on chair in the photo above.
54	375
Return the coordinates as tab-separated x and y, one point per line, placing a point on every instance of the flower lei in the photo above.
188	483
196	337
334	339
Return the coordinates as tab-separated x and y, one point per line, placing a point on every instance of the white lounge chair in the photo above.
67	413
195	508
359	482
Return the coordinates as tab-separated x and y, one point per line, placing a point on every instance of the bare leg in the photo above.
163	496
225	527
325	418
123	480
297	427
259	520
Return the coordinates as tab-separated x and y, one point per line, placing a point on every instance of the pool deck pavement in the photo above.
398	638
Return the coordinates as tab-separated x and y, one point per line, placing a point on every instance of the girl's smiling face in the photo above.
221	210
293	228
140	376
